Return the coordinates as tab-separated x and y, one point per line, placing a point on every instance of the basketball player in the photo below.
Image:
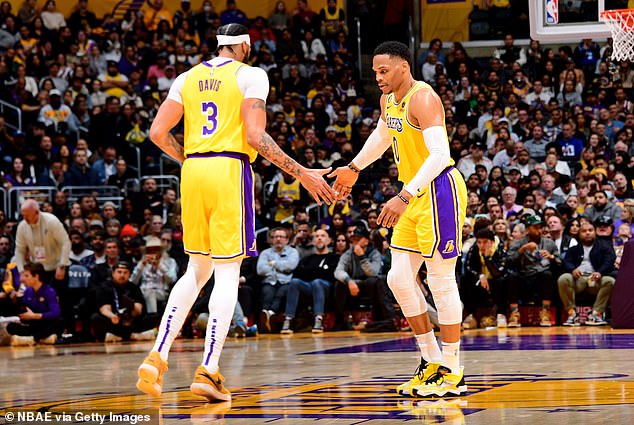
223	102
427	215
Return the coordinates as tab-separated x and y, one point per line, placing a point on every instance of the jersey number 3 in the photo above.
210	109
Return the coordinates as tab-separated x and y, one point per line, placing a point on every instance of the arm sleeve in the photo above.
377	143
439	156
253	82
177	88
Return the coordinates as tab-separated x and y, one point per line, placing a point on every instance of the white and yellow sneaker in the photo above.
423	372
442	383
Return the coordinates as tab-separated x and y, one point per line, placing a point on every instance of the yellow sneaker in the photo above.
442	383
209	385
151	375
424	371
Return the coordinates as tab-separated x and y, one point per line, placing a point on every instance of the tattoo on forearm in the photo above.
171	147
271	151
259	105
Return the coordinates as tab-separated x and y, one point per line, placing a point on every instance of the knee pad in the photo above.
402	281
441	278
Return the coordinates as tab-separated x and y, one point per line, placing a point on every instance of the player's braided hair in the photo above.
393	48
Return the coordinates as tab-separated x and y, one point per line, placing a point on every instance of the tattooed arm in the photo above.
169	114
254	115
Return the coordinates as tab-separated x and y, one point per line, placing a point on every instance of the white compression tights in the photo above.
222	303
181	299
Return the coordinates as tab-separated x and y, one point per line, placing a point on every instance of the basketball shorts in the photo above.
433	219
217	206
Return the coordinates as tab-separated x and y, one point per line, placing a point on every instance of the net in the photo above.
621	24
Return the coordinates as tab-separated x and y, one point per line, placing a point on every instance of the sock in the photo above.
428	346
181	300
222	303
451	356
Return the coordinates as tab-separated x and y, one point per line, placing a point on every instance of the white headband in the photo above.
229	40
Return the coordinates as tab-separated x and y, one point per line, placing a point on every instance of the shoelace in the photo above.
420	370
437	376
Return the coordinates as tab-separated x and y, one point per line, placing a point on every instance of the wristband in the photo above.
402	198
354	168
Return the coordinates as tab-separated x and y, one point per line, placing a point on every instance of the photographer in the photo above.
121	310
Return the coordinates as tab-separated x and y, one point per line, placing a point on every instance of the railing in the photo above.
17	113
18	194
102	193
318	211
163	182
167	158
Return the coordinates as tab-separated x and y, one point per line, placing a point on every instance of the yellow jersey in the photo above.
408	143
212	99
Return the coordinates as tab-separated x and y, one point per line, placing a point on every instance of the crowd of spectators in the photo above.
542	136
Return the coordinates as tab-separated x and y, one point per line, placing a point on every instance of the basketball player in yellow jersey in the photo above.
223	103
427	215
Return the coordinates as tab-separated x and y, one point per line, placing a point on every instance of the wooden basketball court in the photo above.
520	376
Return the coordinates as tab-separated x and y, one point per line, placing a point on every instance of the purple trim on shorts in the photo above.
249	249
446	206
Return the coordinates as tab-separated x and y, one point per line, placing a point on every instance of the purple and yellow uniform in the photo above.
216	178
443	203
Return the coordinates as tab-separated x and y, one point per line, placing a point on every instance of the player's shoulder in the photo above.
425	93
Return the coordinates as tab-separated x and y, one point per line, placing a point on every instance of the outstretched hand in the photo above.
313	181
346	178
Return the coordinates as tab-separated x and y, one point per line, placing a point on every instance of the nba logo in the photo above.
552	12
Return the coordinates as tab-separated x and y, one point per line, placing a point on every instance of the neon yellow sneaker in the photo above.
151	374
442	383
423	372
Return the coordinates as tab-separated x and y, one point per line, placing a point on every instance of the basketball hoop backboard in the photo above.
568	20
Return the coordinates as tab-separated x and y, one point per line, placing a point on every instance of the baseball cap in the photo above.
96	223
170	67
603	220
153	245
113	63
504	120
123	265
479	145
331	128
533	220
54	92
513	168
109	204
